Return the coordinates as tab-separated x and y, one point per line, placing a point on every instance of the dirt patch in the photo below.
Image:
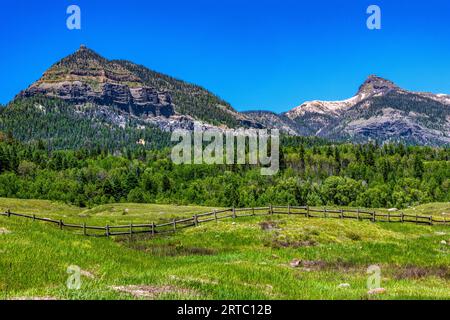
166	250
415	272
87	274
193	279
310	264
45	298
152	292
376	291
277	243
268	225
318	265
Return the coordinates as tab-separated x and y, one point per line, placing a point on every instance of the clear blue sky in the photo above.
261	54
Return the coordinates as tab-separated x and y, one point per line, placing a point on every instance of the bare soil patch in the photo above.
277	243
318	265
152	292
269	225
45	298
167	250
416	272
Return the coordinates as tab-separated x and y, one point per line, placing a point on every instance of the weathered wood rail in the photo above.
234	213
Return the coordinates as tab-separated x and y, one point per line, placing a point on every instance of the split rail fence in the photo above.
234	213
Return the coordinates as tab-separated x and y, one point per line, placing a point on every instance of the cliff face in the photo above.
86	77
140	101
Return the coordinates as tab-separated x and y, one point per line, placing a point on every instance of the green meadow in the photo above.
269	257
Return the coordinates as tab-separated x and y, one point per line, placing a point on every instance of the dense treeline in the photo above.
312	173
64	126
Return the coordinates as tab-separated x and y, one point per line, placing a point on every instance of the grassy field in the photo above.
251	258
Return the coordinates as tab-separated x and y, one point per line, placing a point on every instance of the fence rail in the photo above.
234	213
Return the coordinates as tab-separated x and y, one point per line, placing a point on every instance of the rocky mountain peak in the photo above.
375	85
86	77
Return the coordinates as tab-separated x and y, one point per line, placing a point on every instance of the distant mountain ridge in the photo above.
380	111
84	96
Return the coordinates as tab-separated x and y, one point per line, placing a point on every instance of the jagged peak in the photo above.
375	84
82	55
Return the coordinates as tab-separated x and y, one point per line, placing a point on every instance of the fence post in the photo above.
34	217
253	211
389	216
84	229
153	228
431	220
359	215
289	209
131	230
325	212
341	214
8	213
374	217
307	211
417	218
215	214
107	230
195	220
174	225
234	212
61	224
402	217
270	210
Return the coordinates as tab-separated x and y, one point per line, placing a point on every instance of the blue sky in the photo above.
270	55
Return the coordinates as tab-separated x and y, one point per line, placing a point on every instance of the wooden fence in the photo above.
234	213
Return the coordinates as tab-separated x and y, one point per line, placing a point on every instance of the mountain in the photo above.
86	99
274	120
316	115
86	77
380	111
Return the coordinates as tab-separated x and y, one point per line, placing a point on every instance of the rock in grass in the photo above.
344	285
443	242
376	291
4	231
295	263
